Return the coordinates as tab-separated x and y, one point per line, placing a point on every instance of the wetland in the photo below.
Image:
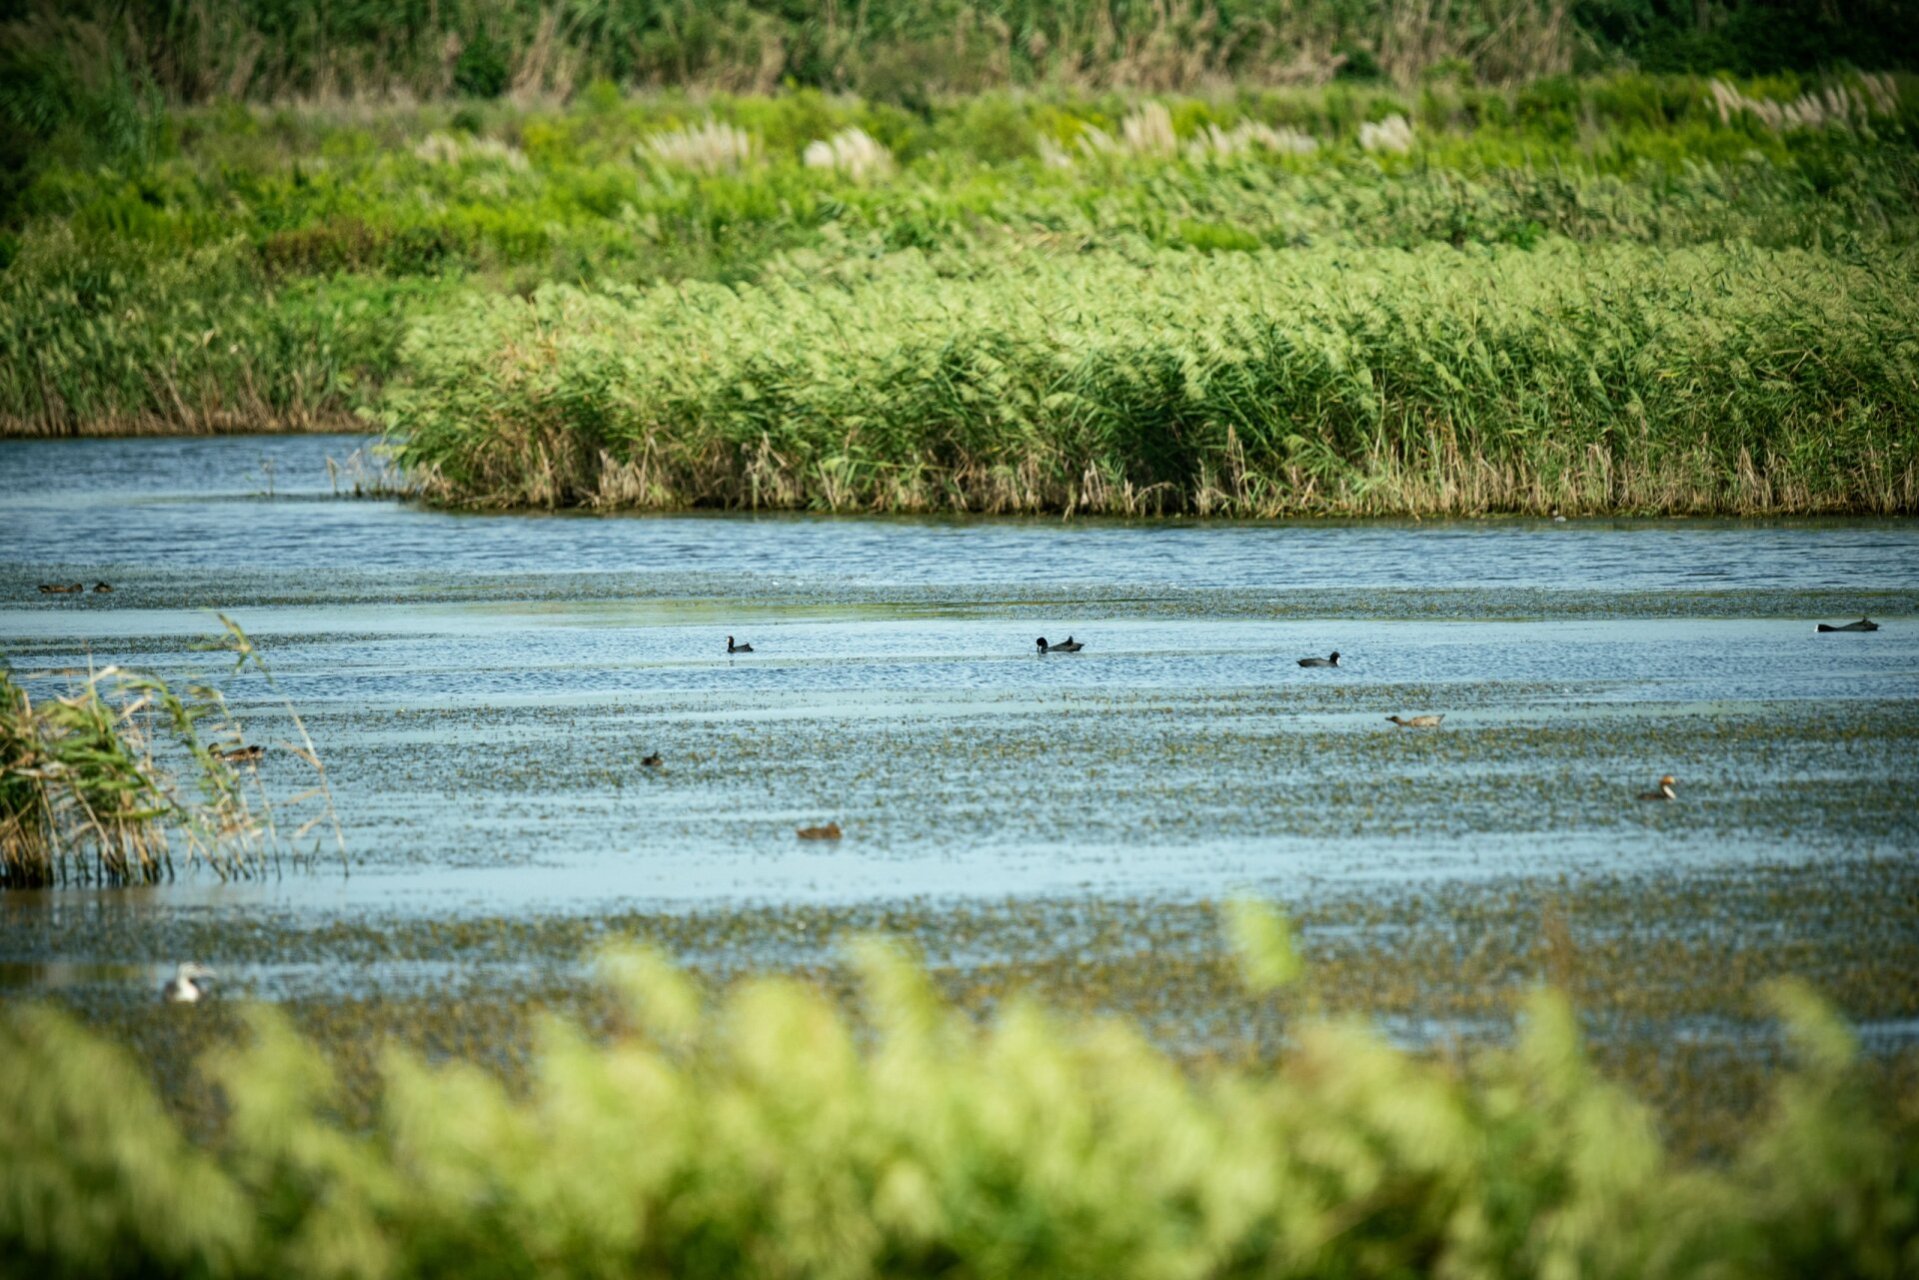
484	687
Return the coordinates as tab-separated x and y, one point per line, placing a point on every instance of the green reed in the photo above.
98	785
1342	381
769	1136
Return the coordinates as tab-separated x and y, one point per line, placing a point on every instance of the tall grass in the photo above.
1436	381
769	1137
97	339
91	789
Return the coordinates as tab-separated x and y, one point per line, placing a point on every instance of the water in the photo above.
99	506
483	687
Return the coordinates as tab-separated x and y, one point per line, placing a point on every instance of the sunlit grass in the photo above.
1334	381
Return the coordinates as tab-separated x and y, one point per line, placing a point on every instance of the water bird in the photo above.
831	831
187	985
101	588
1068	645
1321	662
1864	624
61	588
1417	722
251	753
1665	791
737	648
653	761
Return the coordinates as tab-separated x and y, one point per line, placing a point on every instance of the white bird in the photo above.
185	986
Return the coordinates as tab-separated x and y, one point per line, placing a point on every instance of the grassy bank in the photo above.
767	1136
1282	300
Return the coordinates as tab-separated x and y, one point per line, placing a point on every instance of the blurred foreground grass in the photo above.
772	1135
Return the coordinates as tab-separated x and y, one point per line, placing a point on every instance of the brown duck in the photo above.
61	588
1665	791
831	831
1417	722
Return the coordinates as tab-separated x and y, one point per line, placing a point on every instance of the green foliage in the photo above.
1259	383
88	795
112	340
769	1136
261	270
910	52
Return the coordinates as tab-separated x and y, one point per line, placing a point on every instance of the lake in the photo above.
483	687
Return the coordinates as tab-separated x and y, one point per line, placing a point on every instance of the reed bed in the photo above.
1427	382
92	793
255	269
771	1136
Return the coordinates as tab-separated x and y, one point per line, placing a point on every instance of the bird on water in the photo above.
1068	645
1864	624
1321	662
187	985
1417	722
1665	790
737	648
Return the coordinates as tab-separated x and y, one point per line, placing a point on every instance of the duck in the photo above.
61	588
187	985
1665	791
1068	645
1417	722
1864	624
652	762
831	831
101	588
251	753
1321	662
737	648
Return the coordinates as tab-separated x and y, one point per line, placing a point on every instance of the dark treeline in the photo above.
196	50
98	69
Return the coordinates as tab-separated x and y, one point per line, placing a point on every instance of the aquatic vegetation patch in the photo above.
87	798
1319	382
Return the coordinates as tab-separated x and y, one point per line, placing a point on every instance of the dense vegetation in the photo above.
769	1137
97	787
905	50
1374	186
1620	294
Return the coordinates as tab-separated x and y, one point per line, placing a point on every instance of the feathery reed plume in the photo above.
452	151
1246	136
1837	106
1393	134
710	147
852	152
